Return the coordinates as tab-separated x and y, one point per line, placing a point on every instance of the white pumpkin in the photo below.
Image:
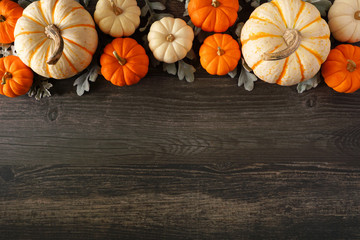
56	38
117	17
285	41
170	39
344	20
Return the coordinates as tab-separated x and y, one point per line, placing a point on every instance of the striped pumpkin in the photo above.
285	41
56	38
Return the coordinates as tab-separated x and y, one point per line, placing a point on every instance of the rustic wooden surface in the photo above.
229	164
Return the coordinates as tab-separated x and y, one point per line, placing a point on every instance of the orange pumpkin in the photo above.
341	70
219	54
124	62
10	12
213	15
16	77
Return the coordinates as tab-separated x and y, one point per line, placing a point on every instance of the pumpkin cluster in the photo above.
283	42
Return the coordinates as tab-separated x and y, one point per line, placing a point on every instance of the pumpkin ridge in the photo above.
280	12
258	36
302	70
226	14
299	13
78	25
317	55
46	57
278	81
42	13
33	19
70	12
265	20
35	50
310	23
22	33
258	62
53	11
75	43
115	79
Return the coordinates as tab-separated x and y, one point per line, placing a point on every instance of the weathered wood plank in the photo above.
259	201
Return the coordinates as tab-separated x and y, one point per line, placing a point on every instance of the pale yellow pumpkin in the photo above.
344	20
56	38
170	39
117	17
285	41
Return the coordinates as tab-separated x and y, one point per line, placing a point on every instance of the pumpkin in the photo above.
170	39
285	41
16	77
56	38
344	16
10	12
219	54
213	15
341	70
124	62
117	17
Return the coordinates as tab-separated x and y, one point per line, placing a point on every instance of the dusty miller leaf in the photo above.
82	82
238	29
309	84
25	3
40	88
157	6
233	73
7	50
186	13
170	68
191	54
247	79
186	71
322	5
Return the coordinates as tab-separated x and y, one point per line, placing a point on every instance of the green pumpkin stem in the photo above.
122	61
6	75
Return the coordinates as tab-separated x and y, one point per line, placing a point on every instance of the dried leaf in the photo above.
247	79
162	15
322	5
144	10
82	82
191	54
170	68
233	73
40	88
186	71
309	84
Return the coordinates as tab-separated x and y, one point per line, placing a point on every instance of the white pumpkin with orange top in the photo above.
285	41
56	38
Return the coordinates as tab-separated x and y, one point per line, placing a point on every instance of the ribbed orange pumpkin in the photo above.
341	70
10	12
124	62
16	77
219	54
213	15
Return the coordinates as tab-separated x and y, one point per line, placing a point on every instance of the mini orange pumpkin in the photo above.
16	77
124	62
213	15
219	54
341	70
10	12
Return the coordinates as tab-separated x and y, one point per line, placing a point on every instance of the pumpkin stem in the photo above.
220	52
170	38
215	3
292	39
122	61
357	15
6	75
351	65
116	9
54	33
2	18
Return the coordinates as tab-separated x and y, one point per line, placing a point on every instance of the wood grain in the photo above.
221	201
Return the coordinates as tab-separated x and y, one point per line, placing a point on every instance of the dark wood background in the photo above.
166	159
